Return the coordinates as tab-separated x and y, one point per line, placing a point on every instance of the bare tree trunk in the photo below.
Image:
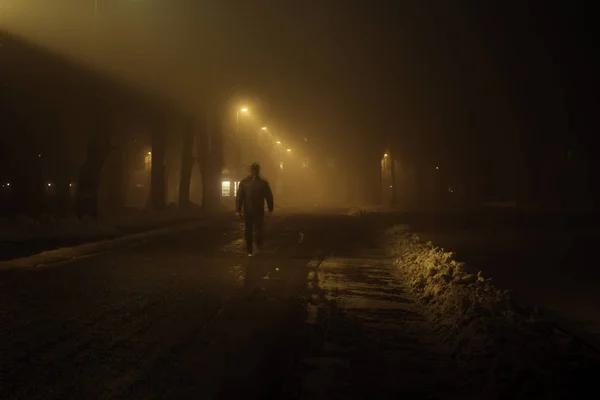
98	150
117	180
64	195
210	160
207	184
187	163
158	183
205	164
392	157
216	147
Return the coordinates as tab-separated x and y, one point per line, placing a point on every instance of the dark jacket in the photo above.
252	194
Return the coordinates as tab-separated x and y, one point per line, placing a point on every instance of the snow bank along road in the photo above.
549	262
323	311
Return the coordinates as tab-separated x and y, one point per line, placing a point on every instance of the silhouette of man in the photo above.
251	196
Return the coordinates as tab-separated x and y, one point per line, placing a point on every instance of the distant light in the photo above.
244	109
437	167
7	184
278	142
226	188
289	150
149	153
390	185
49	184
70	184
385	155
39	155
281	165
264	128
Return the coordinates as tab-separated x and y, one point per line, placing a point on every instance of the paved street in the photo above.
318	313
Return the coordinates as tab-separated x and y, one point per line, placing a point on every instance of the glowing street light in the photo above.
244	109
385	155
278	142
264	128
289	150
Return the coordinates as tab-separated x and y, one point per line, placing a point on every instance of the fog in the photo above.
340	83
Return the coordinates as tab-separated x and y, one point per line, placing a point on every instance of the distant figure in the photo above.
251	195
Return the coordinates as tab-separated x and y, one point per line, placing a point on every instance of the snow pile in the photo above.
482	325
363	210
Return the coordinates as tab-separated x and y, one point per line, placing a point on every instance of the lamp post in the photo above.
237	135
237	119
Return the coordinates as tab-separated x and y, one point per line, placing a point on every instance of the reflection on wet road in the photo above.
188	316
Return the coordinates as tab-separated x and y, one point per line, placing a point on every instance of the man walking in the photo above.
251	196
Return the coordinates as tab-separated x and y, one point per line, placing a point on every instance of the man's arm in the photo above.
239	201
269	197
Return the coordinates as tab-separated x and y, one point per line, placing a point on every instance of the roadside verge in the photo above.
66	254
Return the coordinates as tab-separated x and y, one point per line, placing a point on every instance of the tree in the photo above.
210	157
158	180
187	164
392	157
98	150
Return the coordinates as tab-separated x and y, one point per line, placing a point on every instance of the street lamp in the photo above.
264	128
278	142
237	118
289	150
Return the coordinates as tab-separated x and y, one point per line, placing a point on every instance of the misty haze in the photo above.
297	200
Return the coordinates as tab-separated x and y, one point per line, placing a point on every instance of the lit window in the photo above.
226	188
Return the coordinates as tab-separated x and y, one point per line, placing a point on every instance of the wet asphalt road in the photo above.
318	313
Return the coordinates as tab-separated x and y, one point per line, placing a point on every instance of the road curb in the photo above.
67	254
